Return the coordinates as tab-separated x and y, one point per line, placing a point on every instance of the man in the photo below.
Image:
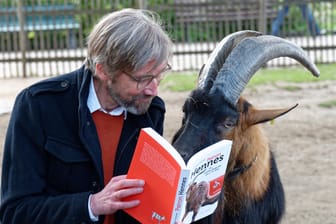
307	15
71	138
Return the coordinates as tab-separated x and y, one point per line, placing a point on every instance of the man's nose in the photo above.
152	88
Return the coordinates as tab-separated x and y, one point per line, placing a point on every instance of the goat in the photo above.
197	196
252	192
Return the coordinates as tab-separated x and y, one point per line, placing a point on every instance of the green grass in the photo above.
186	81
179	81
296	74
328	104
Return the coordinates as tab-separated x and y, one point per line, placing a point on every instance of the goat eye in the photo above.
226	125
229	123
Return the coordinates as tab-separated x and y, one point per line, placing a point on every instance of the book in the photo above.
171	184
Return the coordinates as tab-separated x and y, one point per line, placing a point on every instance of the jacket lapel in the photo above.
87	130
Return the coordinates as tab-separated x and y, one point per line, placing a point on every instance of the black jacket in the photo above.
52	157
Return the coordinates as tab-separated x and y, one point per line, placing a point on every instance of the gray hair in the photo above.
128	39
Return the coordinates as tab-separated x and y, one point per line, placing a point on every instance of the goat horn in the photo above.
248	56
218	56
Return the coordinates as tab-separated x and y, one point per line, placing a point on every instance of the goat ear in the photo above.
256	116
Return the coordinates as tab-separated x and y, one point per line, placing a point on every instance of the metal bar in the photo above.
262	16
22	33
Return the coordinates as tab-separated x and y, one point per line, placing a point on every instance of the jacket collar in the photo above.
94	104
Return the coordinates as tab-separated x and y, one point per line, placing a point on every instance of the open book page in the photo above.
207	169
156	162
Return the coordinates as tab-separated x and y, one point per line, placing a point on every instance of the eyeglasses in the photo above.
144	81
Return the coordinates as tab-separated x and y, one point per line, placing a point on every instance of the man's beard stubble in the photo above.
132	105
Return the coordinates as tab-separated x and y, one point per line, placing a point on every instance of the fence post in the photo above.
142	4
262	16
22	36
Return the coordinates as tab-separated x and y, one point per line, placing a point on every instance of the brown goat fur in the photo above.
250	146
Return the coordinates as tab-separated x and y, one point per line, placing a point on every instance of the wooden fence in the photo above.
47	37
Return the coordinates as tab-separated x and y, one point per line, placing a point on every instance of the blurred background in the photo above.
41	38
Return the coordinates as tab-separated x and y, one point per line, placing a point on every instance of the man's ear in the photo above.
99	69
100	72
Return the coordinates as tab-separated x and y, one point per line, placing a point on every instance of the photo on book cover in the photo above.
204	190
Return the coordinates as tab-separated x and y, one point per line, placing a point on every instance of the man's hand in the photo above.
109	200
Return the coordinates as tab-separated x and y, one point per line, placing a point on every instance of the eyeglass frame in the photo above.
147	79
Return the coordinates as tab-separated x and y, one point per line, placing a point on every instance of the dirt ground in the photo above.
304	142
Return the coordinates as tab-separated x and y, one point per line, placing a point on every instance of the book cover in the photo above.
170	184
